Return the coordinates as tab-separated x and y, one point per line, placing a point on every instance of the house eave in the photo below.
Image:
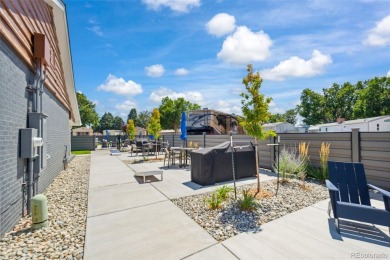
61	24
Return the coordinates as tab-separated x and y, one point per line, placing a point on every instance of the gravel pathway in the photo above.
229	220
67	205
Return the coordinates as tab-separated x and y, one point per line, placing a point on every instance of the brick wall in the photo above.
14	77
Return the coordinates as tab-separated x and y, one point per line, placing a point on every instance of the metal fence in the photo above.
370	148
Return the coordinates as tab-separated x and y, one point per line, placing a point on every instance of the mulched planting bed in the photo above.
229	220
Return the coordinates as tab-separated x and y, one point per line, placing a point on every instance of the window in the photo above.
326	129
377	127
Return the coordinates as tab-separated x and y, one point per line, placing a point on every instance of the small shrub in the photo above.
224	191
303	155
248	202
324	156
215	201
290	163
314	172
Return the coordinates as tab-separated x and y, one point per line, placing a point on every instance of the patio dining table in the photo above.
183	151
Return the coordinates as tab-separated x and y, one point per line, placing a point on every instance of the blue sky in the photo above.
130	54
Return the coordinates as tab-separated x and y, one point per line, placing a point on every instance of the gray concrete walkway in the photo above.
129	219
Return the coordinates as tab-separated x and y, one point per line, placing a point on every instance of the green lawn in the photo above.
81	152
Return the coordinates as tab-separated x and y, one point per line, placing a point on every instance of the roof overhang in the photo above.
61	24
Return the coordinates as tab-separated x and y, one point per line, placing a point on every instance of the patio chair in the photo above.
349	198
167	155
135	149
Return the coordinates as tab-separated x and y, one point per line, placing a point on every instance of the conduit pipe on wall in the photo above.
37	91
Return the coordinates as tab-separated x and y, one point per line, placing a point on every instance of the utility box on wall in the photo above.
29	143
42	48
38	121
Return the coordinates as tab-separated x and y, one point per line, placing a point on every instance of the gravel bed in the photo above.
67	205
229	220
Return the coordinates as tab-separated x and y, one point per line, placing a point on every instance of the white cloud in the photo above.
155	71
96	102
380	34
181	72
228	106
126	105
388	74
273	108
192	96
120	86
297	67
221	24
245	46
181	6
97	30
95	27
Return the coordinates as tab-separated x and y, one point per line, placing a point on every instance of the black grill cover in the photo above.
214	164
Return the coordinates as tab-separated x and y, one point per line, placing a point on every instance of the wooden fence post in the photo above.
355	145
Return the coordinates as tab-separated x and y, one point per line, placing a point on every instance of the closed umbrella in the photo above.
183	127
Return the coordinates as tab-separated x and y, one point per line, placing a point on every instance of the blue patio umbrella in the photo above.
183	127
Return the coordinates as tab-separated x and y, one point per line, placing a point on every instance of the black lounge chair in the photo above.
349	198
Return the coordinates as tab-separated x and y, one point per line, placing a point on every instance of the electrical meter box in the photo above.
39	212
38	121
29	142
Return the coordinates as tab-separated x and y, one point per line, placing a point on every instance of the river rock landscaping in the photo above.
229	220
67	205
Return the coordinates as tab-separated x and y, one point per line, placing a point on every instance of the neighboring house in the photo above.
373	124
280	127
38	99
139	131
82	131
113	132
169	131
301	128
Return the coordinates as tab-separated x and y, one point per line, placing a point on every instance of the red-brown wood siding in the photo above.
19	20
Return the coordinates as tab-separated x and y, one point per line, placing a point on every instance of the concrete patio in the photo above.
129	219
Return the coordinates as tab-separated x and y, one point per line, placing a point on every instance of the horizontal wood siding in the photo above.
83	143
19	20
375	155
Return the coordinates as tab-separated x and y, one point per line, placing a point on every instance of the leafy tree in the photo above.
154	126
118	123
106	121
364	99
171	111
255	111
373	99
339	101
274	118
130	129
88	114
143	119
133	116
312	107
291	116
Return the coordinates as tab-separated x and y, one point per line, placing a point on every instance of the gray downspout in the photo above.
37	107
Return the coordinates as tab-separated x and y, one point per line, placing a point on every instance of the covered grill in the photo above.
214	164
